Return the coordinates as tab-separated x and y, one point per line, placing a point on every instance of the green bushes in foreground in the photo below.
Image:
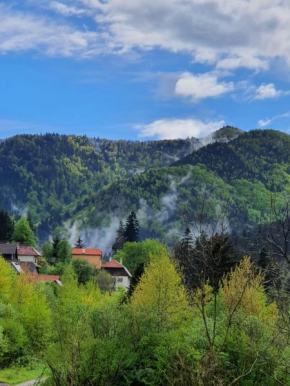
162	335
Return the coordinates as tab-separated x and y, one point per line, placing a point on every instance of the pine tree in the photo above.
132	228
6	227
183	253
30	222
23	233
56	240
214	257
80	243
120	238
264	260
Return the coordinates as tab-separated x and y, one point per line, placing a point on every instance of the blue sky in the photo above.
139	70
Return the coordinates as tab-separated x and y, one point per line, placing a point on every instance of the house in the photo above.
23	266
16	252
117	271
49	278
92	256
9	252
27	254
33	270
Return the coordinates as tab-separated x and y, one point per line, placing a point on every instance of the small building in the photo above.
9	252
27	254
23	266
118	272
92	256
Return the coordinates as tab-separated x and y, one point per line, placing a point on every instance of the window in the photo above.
120	280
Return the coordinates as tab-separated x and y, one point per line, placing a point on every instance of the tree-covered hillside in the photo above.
238	177
48	175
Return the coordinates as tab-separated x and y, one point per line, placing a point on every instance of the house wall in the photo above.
27	259
122	281
91	259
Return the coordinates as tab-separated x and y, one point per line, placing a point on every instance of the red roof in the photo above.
86	251
46	278
112	264
23	250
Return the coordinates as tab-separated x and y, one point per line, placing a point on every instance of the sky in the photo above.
142	70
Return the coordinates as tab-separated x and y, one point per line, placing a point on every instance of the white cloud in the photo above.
226	33
269	121
178	128
232	63
20	31
231	33
65	10
264	122
201	86
267	91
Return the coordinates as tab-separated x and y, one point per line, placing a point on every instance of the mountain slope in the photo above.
47	175
238	178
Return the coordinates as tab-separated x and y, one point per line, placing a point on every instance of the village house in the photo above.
9	252
27	254
118	272
25	258
92	256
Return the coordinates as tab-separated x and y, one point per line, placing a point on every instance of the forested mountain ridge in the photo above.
48	174
90	181
241	176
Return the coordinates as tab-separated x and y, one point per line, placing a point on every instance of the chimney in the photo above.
84	251
17	246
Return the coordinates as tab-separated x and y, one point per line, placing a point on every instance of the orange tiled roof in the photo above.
86	251
112	264
23	250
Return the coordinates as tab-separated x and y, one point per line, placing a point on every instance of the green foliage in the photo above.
83	270
63	252
134	254
6	227
23	234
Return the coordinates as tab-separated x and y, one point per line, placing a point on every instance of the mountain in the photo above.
48	175
236	180
87	185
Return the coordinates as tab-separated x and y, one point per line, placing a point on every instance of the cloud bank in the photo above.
178	128
226	33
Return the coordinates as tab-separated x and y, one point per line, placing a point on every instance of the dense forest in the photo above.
65	181
52	175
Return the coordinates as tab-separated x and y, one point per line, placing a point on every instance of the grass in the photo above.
13	376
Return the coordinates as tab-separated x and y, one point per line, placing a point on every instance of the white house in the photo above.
27	254
117	271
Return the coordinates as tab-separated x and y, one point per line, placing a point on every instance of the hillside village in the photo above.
27	259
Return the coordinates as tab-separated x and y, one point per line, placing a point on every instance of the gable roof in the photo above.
28	266
86	251
8	249
23	250
47	278
114	265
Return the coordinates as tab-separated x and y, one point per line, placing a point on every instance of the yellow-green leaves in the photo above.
160	292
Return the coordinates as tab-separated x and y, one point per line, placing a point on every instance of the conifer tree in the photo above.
120	238
56	240
30	222
80	243
183	253
23	234
132	228
6	227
